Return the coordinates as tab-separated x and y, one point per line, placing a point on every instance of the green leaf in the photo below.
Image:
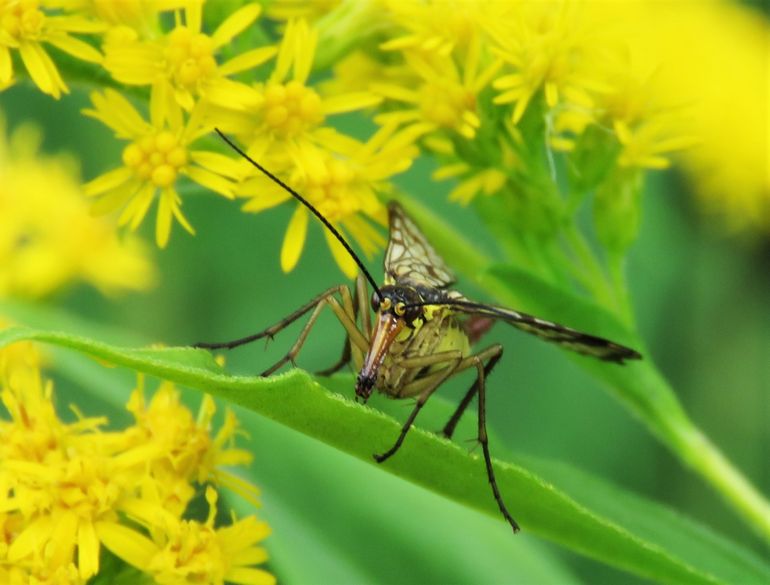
296	400
639	385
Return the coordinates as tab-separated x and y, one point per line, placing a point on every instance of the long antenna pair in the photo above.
307	204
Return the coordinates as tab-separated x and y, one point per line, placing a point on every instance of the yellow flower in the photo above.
58	479
289	9
158	155
444	95
286	109
184	58
48	238
341	183
184	452
474	179
185	551
544	45
439	27
712	56
631	105
140	14
24	27
66	489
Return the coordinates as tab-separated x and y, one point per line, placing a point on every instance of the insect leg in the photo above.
496	352
449	428
360	308
345	314
452	359
271	331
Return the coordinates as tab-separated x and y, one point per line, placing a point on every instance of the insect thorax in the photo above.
436	330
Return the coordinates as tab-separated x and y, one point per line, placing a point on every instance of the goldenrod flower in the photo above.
445	95
185	551
58	480
342	184
291	9
25	27
630	104
138	14
185	450
286	109
713	57
473	180
66	489
48	238
185	57
439	27
543	44
158	155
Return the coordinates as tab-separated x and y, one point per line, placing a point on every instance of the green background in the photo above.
700	296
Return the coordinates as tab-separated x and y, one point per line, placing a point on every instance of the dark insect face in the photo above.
399	301
395	311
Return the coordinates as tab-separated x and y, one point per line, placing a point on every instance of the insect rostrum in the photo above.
422	330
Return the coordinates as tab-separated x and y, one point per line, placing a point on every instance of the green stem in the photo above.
640	386
709	462
616	264
592	275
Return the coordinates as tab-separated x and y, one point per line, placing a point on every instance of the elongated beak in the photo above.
386	329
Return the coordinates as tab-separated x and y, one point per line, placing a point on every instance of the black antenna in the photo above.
307	204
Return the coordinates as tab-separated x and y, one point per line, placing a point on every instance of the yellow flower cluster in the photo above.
503	94
67	489
48	238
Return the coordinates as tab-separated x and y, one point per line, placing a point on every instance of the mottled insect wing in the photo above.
577	341
410	258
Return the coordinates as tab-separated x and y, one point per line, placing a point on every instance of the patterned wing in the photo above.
410	257
571	339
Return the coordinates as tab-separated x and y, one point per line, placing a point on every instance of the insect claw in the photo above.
379	458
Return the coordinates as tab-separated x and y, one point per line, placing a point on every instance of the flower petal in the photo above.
236	23
88	550
127	544
250	576
247	60
294	240
350	102
6	66
210	180
115	111
108	181
75	47
42	69
341	256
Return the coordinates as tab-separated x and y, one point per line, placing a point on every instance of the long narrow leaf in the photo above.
300	402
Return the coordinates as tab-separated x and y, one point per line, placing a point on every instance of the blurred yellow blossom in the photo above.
185	58
439	27
48	239
158	154
546	50
444	95
138	14
714	58
25	26
291	9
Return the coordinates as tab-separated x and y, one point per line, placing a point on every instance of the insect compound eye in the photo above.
400	309
375	302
